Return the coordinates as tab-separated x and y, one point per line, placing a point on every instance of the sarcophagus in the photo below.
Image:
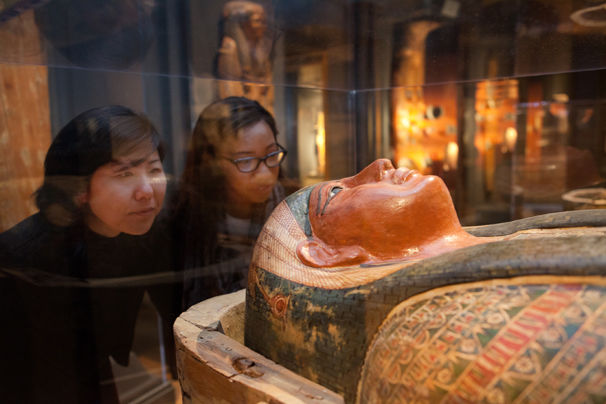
503	313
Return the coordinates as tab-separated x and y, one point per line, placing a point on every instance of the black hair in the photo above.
90	140
223	119
200	201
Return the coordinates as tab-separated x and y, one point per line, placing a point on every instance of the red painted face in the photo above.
390	214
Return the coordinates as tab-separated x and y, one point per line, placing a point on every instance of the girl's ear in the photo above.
315	253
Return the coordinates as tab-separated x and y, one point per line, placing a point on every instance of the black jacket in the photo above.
69	299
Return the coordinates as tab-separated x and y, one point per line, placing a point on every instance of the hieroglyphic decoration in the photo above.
493	343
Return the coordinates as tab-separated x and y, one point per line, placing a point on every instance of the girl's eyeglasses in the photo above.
250	164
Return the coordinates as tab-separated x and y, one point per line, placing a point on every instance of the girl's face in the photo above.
246	189
126	195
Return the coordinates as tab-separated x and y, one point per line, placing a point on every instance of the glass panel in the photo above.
503	100
452	40
267	41
256	42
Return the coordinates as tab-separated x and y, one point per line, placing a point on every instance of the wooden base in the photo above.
215	366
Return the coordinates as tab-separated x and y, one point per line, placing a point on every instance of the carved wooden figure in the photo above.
244	60
370	287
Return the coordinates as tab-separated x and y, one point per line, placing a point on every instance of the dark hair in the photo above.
221	120
90	140
200	201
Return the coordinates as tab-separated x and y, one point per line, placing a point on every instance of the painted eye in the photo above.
331	194
334	191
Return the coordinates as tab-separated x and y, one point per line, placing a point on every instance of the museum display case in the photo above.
503	100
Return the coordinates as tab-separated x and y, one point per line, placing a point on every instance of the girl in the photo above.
229	187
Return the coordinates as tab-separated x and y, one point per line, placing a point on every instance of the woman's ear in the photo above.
315	253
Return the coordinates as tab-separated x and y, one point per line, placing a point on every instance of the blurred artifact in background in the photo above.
245	57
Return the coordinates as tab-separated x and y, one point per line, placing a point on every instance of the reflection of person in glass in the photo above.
228	189
244	59
67	311
334	259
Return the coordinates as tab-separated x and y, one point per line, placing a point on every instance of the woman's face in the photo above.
126	195
390	213
246	189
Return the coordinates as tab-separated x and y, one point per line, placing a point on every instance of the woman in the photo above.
229	187
67	310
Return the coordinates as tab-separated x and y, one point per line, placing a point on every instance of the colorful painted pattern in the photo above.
319	322
493	344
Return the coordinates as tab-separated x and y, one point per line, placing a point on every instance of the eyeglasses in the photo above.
250	164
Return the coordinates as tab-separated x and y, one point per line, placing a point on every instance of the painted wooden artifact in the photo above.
526	340
215	367
370	287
